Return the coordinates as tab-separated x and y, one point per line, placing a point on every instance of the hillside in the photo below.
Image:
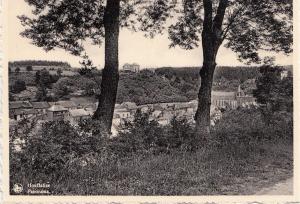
164	84
25	63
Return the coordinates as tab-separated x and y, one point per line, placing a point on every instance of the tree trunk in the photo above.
110	74
202	116
211	41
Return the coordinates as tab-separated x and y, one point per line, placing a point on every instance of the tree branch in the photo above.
231	21
207	24
218	20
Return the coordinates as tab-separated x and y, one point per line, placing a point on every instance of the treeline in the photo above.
160	86
230	73
241	73
24	63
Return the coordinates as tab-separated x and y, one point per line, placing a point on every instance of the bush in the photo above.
18	86
48	154
145	135
244	128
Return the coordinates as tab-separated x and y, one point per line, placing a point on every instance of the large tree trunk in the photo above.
211	41
110	74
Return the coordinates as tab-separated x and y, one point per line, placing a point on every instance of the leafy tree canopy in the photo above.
249	26
67	24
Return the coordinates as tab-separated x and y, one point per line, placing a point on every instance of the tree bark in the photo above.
110	74
202	116
211	41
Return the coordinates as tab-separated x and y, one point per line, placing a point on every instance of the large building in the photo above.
223	99
131	67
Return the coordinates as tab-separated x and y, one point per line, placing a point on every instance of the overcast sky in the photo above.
134	47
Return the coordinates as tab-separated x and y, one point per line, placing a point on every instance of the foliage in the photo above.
29	68
25	63
274	93
41	94
62	87
144	135
140	135
87	24
246	27
59	72
244	128
82	161
49	152
17	70
146	87
28	77
44	78
87	67
18	86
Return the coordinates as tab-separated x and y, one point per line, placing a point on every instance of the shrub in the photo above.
145	135
51	151
18	86
243	128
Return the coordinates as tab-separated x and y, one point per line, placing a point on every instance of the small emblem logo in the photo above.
17	188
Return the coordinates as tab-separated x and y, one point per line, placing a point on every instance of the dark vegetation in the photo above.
26	63
242	156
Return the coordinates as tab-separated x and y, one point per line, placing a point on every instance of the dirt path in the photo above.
281	188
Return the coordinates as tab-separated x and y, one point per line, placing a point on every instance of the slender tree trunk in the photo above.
110	74
202	116
211	41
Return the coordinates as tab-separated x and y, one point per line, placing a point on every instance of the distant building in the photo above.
19	109
23	113
41	107
224	99
77	115
232	100
66	104
131	67
57	112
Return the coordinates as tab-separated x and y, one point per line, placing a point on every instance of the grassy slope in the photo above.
240	172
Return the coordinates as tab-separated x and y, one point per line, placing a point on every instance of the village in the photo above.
78	108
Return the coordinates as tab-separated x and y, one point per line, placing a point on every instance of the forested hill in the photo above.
164	84
25	63
169	84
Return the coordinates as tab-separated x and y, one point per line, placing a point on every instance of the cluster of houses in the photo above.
77	110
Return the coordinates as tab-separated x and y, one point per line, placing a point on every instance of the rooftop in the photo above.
56	108
24	111
67	104
19	104
79	113
40	105
129	105
223	93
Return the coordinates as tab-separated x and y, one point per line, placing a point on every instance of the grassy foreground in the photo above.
205	172
242	156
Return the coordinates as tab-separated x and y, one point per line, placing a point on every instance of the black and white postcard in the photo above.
173	99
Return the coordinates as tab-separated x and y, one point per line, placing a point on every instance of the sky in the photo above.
133	48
